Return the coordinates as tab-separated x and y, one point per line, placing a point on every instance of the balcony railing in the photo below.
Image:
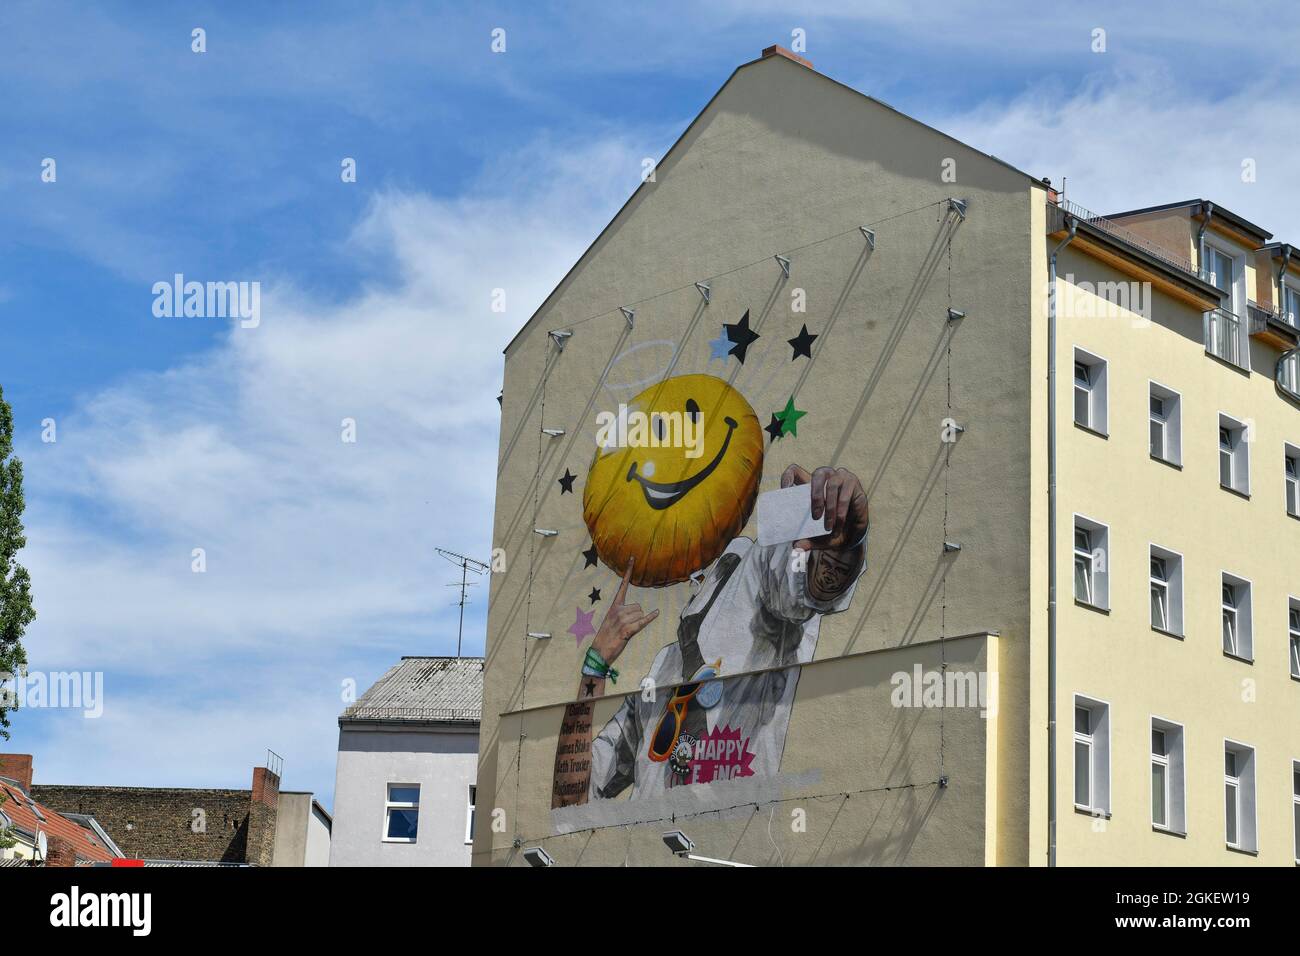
1127	236
1223	335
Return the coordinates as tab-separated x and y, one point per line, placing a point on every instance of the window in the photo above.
1223	326
1234	455
402	813
1287	374
1291	475
1091	572
1293	642
1168	801
1236	616
469	814
1239	796
1090	391
1295	806
1091	755
1165	414
1166	590
1291	304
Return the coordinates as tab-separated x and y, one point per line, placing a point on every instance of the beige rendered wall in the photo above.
845	736
785	160
1118	657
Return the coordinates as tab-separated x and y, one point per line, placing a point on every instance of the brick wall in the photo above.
161	823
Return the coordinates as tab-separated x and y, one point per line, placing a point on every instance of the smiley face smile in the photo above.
660	496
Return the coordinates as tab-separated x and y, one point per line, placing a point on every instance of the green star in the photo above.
790	418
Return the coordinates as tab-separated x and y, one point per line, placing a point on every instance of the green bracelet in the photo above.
593	665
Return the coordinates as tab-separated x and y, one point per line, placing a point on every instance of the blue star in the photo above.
720	347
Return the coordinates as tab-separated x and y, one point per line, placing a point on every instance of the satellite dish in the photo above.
40	843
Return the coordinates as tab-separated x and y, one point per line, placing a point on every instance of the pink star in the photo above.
582	626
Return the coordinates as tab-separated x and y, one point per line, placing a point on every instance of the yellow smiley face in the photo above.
674	479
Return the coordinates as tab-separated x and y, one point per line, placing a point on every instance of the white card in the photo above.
786	515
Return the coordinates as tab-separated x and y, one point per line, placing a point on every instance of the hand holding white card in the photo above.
786	515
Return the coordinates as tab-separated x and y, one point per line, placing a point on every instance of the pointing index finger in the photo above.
622	588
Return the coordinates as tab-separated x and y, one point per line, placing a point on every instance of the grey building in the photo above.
408	753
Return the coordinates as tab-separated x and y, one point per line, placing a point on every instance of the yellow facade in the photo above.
1116	655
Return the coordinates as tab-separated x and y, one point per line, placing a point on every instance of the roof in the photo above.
770	54
424	689
1245	225
29	817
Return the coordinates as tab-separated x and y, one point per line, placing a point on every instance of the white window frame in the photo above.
1098	558
1288	308
1244	787
1098	390
1291	479
1240	342
1171	422
469	814
1243	615
1175	764
1293	637
1173	583
1238	451
390	805
1097	740
1295	808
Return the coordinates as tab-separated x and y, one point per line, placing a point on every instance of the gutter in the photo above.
1051	541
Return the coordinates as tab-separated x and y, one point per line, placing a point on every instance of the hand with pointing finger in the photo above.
622	622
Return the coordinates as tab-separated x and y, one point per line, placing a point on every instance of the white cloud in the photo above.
319	553
1143	138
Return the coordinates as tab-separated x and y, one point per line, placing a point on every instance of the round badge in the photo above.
709	695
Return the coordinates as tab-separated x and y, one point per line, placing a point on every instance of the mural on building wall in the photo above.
674	480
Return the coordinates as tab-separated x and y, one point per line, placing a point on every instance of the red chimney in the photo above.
59	851
782	51
266	787
17	767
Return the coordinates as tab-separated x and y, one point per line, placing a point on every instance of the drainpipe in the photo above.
1051	544
1208	210
1280	304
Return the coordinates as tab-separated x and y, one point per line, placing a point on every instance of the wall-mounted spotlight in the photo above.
959	206
678	842
539	635
703	287
629	314
546	532
553	432
559	336
955	315
870	236
536	856
784	263
951	547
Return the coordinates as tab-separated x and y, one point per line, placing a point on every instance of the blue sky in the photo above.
475	170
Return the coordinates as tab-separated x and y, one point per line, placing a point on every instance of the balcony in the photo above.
1272	327
1223	335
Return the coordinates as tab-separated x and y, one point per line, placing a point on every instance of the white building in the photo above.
407	764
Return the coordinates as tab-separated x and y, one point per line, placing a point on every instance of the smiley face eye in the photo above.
693	409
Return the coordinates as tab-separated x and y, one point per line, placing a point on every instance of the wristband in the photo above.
593	665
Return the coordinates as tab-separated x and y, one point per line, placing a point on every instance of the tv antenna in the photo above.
466	566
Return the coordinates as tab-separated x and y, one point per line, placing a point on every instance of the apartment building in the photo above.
404	791
804	559
1177	486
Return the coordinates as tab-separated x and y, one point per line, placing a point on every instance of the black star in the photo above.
566	483
590	687
594	595
590	555
741	336
802	344
774	428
